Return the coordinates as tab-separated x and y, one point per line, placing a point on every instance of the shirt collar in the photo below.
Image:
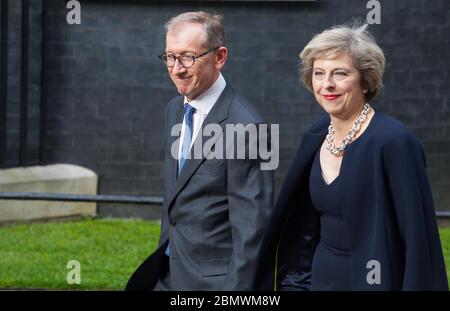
206	101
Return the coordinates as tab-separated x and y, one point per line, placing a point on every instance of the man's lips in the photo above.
183	80
330	96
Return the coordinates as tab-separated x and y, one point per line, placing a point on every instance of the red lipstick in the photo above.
330	96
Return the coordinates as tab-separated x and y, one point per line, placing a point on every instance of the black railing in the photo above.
41	196
101	198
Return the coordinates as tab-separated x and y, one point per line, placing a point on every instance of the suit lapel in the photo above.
217	115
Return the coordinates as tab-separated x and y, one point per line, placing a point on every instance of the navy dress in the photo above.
331	266
385	209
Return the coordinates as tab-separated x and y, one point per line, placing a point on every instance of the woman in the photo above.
355	211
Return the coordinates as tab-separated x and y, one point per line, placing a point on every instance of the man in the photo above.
215	209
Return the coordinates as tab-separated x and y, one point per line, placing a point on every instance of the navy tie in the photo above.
186	146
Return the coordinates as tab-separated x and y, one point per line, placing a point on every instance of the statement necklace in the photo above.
339	151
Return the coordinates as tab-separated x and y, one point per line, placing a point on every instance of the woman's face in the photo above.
337	86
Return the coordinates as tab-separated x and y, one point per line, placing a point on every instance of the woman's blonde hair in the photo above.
355	41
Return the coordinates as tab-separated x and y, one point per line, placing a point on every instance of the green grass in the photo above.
36	255
445	240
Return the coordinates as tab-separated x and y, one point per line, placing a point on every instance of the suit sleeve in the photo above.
250	198
410	193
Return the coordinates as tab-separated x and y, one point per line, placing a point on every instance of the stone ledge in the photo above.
56	178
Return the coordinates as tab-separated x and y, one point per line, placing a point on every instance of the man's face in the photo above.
195	80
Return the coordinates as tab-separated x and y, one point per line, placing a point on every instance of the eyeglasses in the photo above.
185	60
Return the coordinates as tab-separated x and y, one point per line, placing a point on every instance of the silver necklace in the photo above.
339	151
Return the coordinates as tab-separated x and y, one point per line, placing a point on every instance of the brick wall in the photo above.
108	89
14	82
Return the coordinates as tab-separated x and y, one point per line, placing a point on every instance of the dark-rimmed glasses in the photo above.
185	60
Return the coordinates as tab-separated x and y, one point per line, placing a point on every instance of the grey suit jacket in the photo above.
215	212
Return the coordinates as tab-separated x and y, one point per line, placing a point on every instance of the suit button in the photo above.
172	222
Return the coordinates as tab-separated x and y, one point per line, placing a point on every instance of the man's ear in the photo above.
221	57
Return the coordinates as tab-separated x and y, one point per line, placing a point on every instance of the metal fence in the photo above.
41	196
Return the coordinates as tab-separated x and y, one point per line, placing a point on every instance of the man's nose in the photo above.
178	68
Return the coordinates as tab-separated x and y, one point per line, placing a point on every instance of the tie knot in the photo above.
188	109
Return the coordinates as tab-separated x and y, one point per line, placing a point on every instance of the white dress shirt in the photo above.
202	104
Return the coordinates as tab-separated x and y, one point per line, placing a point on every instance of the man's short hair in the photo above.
212	26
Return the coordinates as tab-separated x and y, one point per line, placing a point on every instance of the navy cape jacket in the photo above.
387	209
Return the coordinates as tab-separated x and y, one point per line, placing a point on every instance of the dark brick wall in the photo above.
14	81
108	90
13	105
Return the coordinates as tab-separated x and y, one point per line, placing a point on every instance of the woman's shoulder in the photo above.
388	129
320	126
393	137
383	129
